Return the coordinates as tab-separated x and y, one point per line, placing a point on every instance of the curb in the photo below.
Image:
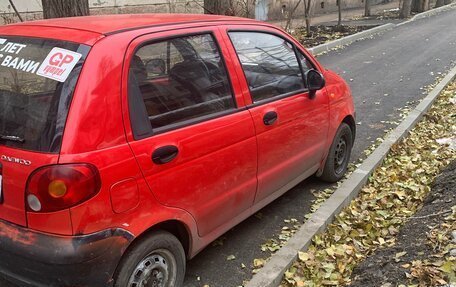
429	13
366	33
272	272
349	39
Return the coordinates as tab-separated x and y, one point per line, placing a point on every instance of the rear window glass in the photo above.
37	81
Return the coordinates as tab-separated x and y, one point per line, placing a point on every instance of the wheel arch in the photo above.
175	227
350	121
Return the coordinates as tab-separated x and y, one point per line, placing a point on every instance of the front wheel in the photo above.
158	260
339	155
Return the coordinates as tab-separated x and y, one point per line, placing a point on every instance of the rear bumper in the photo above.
31	258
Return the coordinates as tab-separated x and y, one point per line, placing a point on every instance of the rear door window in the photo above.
37	81
180	80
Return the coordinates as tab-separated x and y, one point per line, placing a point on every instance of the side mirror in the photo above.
315	81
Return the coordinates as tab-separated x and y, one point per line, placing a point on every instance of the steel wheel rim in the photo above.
157	269
340	155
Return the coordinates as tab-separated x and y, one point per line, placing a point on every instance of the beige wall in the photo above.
35	5
277	8
32	9
21	5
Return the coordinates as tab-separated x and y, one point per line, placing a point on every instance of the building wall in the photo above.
32	9
276	9
35	5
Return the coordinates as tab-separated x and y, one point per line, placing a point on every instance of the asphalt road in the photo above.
385	73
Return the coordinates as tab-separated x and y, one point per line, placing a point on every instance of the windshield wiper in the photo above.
11	138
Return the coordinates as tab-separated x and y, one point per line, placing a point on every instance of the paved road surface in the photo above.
396	63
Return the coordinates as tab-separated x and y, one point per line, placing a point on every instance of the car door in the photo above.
291	126
195	146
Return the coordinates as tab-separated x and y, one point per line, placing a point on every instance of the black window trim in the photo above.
185	123
277	98
296	51
195	121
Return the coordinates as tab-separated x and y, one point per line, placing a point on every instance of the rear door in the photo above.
195	145
291	126
36	89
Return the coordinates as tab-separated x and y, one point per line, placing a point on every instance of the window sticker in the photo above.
58	64
8	58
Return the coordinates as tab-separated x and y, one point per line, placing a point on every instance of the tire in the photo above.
339	155
159	257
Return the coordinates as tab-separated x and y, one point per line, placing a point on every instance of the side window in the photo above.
269	64
180	79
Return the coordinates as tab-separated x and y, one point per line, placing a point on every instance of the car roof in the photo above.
109	24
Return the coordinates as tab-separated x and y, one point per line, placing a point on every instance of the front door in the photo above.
196	149
291	127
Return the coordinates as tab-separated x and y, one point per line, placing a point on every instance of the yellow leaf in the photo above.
230	257
303	256
341	266
400	254
401	194
258	263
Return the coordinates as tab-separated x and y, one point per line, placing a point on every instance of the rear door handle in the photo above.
164	154
270	118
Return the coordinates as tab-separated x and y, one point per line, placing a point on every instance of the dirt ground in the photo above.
329	31
381	15
383	266
322	34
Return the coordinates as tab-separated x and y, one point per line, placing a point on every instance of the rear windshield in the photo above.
37	81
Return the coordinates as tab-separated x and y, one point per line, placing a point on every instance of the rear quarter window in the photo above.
37	81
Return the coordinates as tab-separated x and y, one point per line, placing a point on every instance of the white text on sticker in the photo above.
19	63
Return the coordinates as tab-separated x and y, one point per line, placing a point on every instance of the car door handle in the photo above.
270	118
164	154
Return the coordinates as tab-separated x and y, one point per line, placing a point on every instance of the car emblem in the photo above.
15	160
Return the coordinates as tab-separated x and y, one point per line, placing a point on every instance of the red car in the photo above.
128	143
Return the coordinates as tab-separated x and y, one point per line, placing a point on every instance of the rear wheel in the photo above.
339	154
158	260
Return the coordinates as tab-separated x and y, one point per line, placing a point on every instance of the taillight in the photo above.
57	187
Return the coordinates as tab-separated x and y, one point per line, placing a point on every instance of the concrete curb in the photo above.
271	274
366	33
429	13
349	39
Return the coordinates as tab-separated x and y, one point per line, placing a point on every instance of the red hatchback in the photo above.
128	143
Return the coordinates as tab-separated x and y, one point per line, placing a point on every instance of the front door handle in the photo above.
164	154
270	118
